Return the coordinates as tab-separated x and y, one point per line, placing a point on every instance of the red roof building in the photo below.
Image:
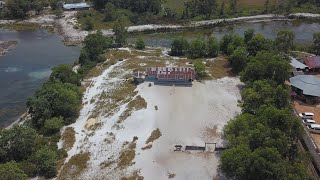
313	63
171	73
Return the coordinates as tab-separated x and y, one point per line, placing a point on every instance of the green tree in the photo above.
110	12
230	42
248	35
198	48
64	74
54	99
238	59
266	66
179	47
16	143
258	43
120	32
45	159
316	43
284	40
94	45
233	6
11	171
200	68
213	47
140	44
53	125
88	24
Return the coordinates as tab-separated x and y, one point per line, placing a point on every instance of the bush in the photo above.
64	74
45	160
11	171
179	47
140	44
198	48
213	47
28	168
200	68
53	125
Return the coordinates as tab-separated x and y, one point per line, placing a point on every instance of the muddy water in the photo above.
25	68
303	30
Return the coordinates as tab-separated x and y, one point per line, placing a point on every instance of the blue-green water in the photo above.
25	68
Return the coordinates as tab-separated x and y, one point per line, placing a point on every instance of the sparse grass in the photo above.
106	164
97	70
127	155
218	68
68	138
76	165
135	176
95	17
134	105
147	147
154	136
25	27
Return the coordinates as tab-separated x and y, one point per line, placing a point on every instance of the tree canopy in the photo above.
284	40
316	43
11	171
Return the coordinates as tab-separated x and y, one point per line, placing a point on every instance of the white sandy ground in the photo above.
185	116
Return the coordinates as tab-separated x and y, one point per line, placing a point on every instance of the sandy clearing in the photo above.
183	115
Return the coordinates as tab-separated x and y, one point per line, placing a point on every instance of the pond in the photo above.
303	30
25	68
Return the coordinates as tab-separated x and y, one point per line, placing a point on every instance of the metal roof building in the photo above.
297	64
308	84
76	6
313	63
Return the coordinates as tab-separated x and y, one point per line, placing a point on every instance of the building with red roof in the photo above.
313	63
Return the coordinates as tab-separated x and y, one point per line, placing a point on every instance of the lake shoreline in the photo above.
6	46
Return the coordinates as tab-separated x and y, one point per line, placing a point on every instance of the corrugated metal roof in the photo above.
297	64
313	62
310	85
76	6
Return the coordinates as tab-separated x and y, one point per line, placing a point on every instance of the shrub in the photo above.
140	44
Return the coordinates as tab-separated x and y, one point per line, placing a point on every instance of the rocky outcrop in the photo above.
6	46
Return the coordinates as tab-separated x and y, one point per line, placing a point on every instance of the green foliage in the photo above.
284	41
16	143
88	24
179	47
201	7
95	44
230	42
248	35
198	48
258	43
54	99
45	160
64	74
110	12
53	125
316	43
29	168
200	68
11	171
140	44
238	59
120	32
266	66
213	47
20	8
263	93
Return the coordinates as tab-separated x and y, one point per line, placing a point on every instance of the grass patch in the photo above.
95	17
154	136
134	105
68	138
218	68
147	147
106	164
135	176
127	155
76	165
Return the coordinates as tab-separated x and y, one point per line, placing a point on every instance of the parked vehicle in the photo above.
308	121
314	128
306	115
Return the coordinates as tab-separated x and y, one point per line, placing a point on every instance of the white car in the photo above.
308	121
306	115
315	128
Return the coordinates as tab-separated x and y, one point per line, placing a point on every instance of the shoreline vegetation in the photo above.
6	46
